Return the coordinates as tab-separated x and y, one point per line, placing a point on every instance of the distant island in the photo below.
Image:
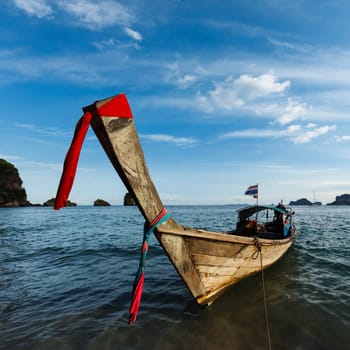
13	194
304	201
101	203
344	199
129	200
51	203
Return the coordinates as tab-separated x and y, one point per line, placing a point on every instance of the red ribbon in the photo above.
116	106
136	299
71	161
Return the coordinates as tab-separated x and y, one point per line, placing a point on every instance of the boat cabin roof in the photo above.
245	213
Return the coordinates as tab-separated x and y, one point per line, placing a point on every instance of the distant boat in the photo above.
208	262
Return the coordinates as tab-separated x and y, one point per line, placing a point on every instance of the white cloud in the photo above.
177	75
311	134
283	112
42	131
252	133
96	15
24	126
292	111
311	125
106	44
133	34
91	14
186	80
296	133
38	8
9	157
342	138
288	45
230	93
113	45
203	103
180	141
293	128
44	165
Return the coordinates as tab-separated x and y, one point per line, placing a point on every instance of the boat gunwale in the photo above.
225	236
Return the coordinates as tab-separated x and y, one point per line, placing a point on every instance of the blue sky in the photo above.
224	94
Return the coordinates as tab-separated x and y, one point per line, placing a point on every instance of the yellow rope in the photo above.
258	245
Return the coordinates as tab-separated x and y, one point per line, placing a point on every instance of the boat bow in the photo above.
208	262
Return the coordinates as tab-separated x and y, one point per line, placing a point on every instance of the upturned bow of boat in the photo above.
208	262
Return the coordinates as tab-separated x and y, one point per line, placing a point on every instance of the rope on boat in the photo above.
140	275
254	256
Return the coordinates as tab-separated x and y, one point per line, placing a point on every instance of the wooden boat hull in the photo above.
208	262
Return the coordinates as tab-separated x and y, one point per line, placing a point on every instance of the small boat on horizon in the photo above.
208	262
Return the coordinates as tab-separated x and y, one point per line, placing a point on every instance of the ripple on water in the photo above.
66	280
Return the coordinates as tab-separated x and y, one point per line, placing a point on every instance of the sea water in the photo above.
66	279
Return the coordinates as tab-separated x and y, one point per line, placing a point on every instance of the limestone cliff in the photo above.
302	201
12	194
344	199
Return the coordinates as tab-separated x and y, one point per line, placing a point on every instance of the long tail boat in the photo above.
208	262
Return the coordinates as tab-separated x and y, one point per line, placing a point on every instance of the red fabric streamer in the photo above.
71	161
116	106
136	299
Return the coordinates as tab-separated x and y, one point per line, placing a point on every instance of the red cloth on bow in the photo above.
116	106
71	161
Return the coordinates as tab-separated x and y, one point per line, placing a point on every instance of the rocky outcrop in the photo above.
51	202
129	200
304	201
12	194
343	199
101	203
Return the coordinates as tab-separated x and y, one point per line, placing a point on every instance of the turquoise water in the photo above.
66	279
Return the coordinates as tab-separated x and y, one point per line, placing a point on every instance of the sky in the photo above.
225	94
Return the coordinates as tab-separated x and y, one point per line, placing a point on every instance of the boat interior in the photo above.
271	222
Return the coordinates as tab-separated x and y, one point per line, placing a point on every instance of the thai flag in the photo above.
252	191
